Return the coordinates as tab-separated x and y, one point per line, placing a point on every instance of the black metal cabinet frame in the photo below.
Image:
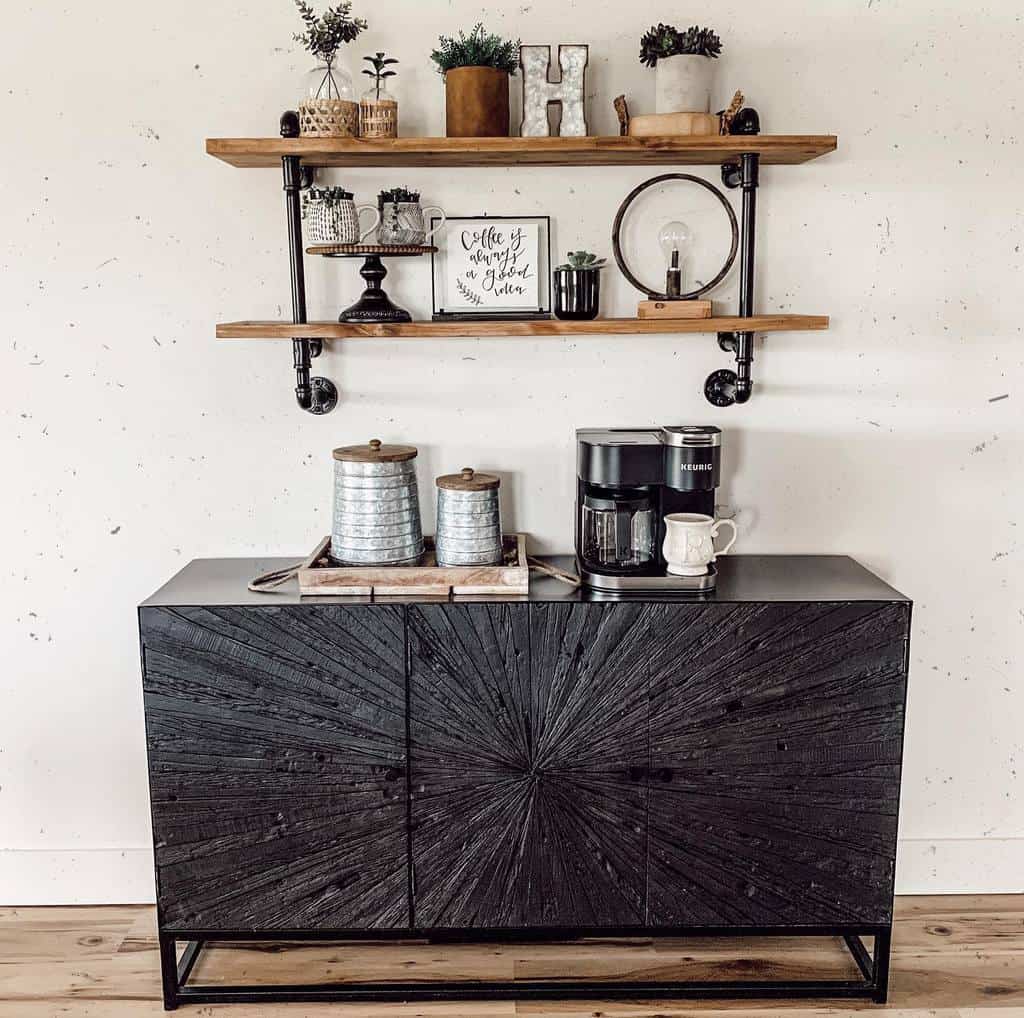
341	757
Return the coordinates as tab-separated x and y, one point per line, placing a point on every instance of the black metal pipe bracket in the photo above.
314	394
725	387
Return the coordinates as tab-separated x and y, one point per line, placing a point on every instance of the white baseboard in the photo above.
125	876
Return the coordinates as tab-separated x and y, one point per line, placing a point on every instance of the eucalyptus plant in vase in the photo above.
329	109
684	68
378	108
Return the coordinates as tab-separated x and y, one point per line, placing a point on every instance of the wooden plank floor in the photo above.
952	957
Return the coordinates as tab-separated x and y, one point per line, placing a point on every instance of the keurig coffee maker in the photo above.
628	480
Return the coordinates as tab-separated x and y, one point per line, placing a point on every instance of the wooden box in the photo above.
319	576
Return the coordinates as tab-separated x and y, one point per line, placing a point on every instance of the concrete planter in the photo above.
683	84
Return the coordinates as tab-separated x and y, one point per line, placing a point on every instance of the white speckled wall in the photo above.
132	441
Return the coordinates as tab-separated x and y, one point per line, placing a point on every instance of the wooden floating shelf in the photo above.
549	327
612	150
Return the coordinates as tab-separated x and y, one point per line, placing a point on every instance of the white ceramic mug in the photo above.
337	222
689	542
348	222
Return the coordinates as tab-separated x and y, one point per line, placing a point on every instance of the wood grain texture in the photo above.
776	742
395	250
318	575
528	740
548	327
276	742
612	150
958	956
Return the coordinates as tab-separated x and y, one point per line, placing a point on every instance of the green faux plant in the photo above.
581	260
478	49
328	195
325	33
662	41
379	74
395	195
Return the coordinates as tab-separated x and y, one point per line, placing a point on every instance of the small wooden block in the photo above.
674	309
660	125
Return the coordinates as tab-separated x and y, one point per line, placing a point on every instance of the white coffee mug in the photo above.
689	542
348	226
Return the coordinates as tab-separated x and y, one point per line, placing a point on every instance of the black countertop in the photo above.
759	578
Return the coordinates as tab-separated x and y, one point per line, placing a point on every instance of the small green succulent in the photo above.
395	195
662	41
582	260
327	195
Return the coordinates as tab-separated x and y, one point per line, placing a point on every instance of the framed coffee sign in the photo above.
495	267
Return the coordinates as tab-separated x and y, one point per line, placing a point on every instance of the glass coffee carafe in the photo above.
619	528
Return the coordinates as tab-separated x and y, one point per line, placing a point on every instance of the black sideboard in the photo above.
555	766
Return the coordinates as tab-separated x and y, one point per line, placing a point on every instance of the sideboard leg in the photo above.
169	972
883	945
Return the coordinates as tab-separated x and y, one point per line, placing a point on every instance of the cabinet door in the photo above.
528	754
776	740
277	754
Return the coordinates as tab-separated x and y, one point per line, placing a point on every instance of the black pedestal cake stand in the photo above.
374	305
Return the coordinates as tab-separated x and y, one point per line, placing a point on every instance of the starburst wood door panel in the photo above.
276	741
776	744
528	753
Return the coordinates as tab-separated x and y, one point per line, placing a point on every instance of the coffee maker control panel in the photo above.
693	458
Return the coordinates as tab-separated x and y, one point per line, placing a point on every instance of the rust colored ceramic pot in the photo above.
476	102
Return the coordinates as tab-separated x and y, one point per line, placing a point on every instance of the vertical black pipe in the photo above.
749	174
300	347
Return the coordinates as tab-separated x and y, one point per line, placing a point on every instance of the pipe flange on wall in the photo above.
323	396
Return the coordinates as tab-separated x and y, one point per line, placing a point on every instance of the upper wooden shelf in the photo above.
598	151
546	327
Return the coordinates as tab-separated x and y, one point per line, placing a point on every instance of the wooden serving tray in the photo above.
319	576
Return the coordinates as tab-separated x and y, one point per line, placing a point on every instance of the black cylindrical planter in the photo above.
577	293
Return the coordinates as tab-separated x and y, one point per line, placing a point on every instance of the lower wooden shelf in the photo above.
550	327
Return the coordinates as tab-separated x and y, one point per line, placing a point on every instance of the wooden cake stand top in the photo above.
362	250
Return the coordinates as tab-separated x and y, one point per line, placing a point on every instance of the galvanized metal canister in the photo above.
468	519
376	505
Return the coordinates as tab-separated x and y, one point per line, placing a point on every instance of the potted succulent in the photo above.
578	286
329	109
332	216
476	71
683	67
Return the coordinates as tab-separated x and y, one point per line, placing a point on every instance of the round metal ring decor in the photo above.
621	214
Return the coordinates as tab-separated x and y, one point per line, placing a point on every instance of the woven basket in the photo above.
378	119
328	118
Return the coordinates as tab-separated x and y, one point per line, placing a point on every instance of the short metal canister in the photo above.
468	519
376	505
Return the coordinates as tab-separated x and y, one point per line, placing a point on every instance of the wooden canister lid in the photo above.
375	452
468	480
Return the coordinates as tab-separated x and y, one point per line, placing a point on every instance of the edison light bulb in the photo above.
675	239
